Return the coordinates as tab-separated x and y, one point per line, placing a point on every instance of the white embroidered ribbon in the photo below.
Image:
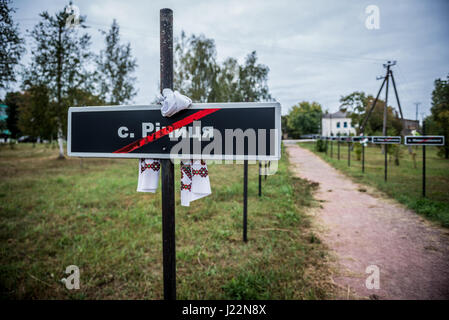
195	183
173	102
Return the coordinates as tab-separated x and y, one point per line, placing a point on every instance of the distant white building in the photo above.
338	123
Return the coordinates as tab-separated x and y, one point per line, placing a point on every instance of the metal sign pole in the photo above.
168	171
338	143
386	161
363	158
423	161
349	154
260	179
332	149
245	200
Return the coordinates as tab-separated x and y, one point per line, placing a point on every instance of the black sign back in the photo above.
386	140
425	140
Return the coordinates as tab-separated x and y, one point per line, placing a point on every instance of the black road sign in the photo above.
361	138
386	140
345	139
425	140
222	131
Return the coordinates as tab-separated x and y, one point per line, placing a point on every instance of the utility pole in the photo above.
384	126
388	75
417	108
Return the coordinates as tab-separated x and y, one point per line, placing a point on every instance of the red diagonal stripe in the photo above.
165	131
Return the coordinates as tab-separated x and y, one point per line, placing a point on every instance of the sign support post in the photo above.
363	158
338	143
260	179
386	161
349	154
245	200
332	149
424	161
424	141
168	170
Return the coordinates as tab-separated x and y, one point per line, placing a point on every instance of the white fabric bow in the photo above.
195	183
173	102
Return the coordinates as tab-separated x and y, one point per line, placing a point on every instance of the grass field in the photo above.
404	181
56	213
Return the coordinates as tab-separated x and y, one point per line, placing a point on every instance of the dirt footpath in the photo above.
364	229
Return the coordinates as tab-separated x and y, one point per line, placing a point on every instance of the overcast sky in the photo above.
316	50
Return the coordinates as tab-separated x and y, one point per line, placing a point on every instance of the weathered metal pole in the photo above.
260	179
245	200
168	170
338	148
386	161
423	161
332	148
349	154
363	158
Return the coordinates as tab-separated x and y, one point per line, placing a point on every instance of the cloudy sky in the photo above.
316	50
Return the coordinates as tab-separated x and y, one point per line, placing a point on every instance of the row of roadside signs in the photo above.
409	140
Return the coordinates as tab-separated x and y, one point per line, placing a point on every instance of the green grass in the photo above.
404	182
55	213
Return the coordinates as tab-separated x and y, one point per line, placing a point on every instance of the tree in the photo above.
355	104
60	59
359	104
11	48
304	118
12	100
253	80
198	75
440	111
196	67
115	66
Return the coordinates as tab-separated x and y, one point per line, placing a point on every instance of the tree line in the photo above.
65	72
305	117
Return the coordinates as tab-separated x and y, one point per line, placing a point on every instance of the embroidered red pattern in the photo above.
186	186
187	170
201	172
155	166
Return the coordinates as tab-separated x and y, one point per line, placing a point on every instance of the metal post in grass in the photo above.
168	171
260	179
349	154
386	161
363	158
423	161
338	144
245	200
332	148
